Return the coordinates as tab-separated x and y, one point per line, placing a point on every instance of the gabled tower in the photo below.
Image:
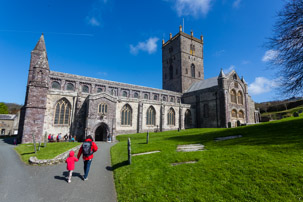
33	111
182	61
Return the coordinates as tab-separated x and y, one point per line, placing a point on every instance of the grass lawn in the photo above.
266	164
285	113
52	150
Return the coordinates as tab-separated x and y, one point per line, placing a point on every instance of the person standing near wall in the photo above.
88	149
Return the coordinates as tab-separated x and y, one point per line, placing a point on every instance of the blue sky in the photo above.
121	40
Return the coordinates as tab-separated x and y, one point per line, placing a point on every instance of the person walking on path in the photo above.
71	164
88	149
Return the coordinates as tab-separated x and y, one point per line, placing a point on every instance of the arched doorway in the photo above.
101	133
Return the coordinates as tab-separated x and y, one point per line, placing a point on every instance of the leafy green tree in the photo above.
3	108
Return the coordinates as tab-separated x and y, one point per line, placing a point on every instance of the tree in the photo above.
3	108
287	45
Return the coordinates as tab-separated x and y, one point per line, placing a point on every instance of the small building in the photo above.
9	124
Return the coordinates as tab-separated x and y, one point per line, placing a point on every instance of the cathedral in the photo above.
64	103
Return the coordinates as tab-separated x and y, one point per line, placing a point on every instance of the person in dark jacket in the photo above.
87	155
70	161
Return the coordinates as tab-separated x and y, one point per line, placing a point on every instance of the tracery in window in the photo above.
102	109
56	85
171	117
62	112
136	95
240	98
171	99
151	116
155	97
233	96
126	115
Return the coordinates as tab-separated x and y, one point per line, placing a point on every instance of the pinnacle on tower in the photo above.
180	28
222	75
40	46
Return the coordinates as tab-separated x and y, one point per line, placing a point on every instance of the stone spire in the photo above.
40	46
222	75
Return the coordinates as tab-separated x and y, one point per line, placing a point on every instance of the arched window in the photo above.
155	97
56	85
164	98
191	49
193	69
99	90
145	96
234	113
151	116
62	113
240	98
234	76
136	95
171	117
188	120
124	94
186	71
171	72
70	87
241	114
233	98
206	110
126	115
171	99
113	92
85	89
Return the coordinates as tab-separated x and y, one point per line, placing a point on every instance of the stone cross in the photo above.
129	151
39	146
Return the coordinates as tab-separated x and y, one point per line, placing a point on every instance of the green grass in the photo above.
52	150
266	164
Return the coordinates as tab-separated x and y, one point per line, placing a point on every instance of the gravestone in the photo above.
190	147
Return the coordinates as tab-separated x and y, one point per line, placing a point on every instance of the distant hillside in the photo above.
274	110
13	108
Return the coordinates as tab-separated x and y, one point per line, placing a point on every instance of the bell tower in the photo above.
33	111
182	61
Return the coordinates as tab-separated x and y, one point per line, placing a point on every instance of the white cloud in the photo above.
236	3
232	67
93	21
192	7
269	55
150	46
263	85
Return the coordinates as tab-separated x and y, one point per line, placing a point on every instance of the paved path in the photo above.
19	182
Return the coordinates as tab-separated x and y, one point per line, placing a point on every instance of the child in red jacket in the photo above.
71	164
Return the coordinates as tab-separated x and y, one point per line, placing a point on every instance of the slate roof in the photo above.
7	116
207	83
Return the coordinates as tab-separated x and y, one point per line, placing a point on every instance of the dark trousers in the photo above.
87	167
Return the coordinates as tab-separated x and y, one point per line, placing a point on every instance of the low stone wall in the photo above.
58	159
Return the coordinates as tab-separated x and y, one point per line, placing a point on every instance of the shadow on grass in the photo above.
116	166
65	175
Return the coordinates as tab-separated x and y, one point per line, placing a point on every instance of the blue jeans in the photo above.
87	167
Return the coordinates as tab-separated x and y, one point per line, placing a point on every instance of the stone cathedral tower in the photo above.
182	61
33	111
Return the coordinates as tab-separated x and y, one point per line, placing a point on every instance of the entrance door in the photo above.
101	133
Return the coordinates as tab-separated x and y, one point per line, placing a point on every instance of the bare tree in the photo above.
287	44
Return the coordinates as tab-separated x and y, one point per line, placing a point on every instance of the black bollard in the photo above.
129	152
